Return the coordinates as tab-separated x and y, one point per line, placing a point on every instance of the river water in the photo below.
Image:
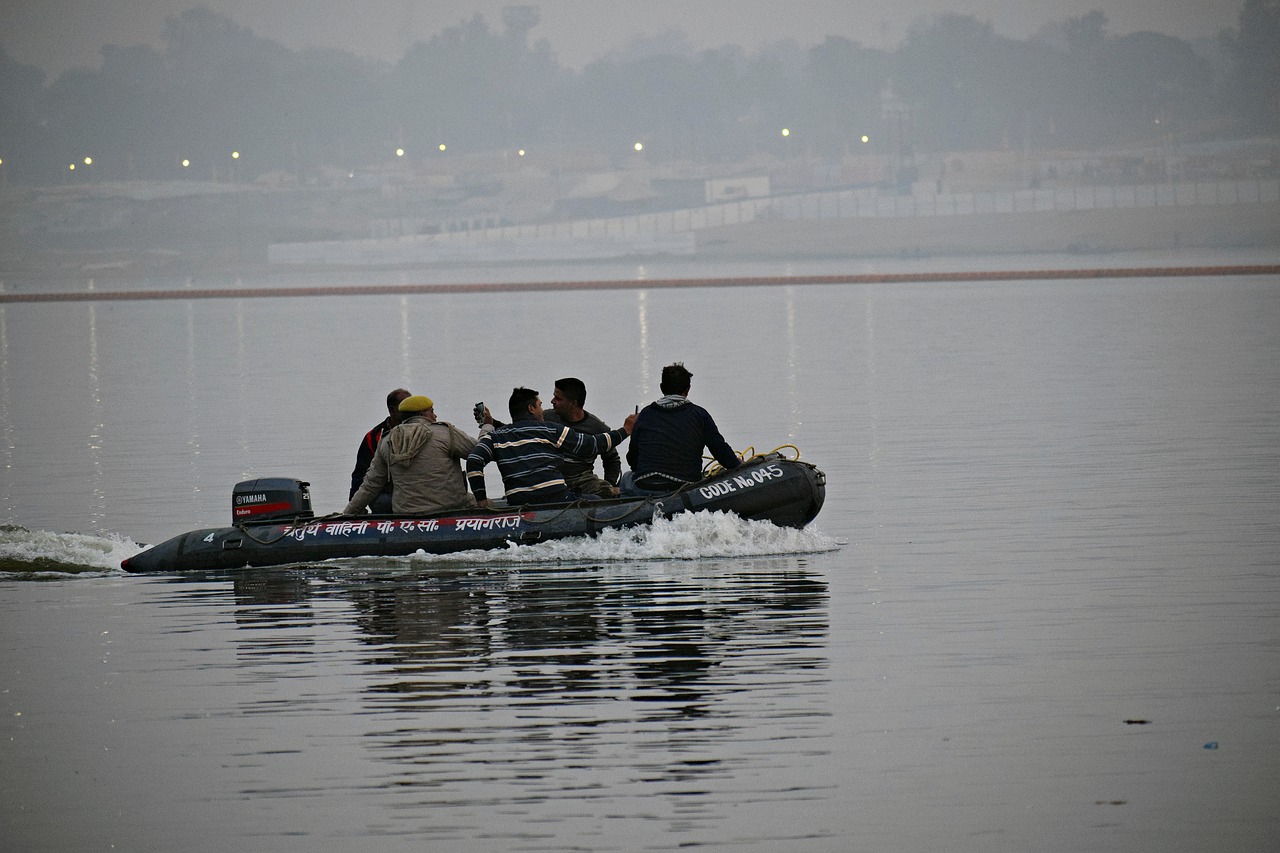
1040	610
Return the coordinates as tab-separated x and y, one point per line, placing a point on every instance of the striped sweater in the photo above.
527	453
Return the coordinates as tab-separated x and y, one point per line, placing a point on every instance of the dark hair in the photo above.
573	389
675	379
521	400
395	397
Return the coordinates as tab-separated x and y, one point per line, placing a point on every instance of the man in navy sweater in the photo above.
666	444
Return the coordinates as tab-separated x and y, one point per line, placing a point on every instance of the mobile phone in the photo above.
478	411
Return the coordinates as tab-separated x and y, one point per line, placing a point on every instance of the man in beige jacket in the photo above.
420	457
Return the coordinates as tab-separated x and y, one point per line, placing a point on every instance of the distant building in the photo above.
736	188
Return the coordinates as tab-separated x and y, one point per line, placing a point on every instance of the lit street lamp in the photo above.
235	179
785	146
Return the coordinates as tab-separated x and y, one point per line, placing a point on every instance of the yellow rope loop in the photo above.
714	468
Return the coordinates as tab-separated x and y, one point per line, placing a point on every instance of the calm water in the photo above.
1040	610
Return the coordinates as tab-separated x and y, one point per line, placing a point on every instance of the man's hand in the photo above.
485	504
630	423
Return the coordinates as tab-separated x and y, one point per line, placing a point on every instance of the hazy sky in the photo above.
59	34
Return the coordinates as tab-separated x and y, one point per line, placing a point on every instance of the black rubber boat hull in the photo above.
785	492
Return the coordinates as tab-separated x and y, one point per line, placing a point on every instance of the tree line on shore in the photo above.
218	100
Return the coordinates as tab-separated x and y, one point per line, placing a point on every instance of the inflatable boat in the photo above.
272	522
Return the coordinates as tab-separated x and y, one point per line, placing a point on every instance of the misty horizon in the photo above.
62	35
954	84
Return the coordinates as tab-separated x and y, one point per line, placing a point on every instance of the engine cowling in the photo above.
270	497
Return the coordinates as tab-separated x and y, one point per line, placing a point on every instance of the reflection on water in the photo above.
6	419
97	429
555	632
193	428
242	383
406	342
531	689
793	363
644	379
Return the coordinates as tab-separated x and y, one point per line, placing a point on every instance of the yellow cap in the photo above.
416	403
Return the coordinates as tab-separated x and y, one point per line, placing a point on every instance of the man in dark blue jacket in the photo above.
666	444
528	452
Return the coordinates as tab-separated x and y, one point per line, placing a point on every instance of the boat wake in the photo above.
36	553
686	536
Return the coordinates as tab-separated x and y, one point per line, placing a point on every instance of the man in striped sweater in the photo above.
529	449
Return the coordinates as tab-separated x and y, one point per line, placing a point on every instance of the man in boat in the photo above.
529	450
422	458
364	456
666	446
580	475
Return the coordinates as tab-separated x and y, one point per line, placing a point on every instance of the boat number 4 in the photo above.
741	481
209	538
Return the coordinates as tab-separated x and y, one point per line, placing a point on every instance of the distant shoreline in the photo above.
146	245
1077	232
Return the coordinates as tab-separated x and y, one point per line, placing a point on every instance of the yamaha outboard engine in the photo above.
270	497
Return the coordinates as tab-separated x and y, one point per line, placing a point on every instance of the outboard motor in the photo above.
270	497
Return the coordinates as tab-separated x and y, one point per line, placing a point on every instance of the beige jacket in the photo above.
422	461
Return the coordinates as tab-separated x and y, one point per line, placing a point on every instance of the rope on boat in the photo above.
712	469
748	454
287	525
586	506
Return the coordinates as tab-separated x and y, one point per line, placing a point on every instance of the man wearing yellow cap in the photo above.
421	458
